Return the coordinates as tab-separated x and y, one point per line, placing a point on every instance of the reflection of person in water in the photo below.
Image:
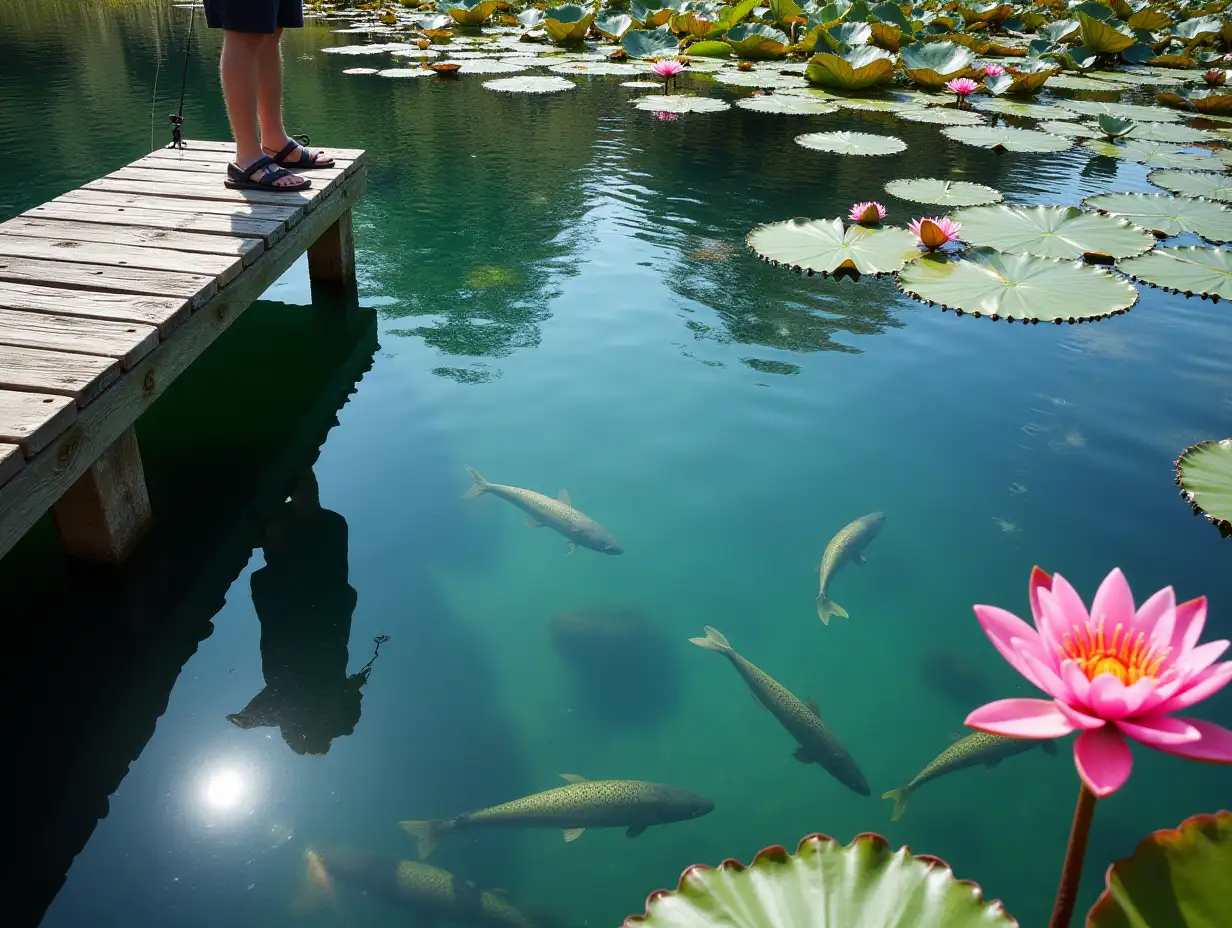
304	604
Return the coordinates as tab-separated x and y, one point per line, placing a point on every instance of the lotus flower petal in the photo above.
1190	620
1159	731
1021	718
1214	746
1206	684
1005	630
1103	760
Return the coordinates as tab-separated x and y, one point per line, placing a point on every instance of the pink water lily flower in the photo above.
667	67
665	116
963	86
1112	673
992	70
868	213
935	231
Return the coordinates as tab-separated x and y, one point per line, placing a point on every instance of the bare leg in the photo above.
240	67
274	135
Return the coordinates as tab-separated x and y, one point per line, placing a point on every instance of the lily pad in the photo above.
361	70
473	12
405	72
1153	154
1177	877
1193	271
567	25
1007	138
764	80
530	84
939	116
859	69
612	25
490	66
1124	110
852	143
1204	474
872	105
1172	132
942	192
1167	215
680	103
1051	231
823	246
1194	184
596	68
787	105
757	41
1078	82
648	43
1014	108
1071	130
853	886
1023	287
931	64
1137	78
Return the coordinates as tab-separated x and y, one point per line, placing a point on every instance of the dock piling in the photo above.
105	514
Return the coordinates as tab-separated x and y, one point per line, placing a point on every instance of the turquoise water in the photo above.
555	291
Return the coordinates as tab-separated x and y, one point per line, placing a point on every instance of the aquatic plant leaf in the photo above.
567	25
1195	30
855	885
1195	270
1167	215
1178	877
596	68
823	246
1141	78
1124	110
766	80
612	25
1173	132
873	105
710	50
1016	287
1194	184
1051	231
474	14
1211	101
1061	30
1078	82
998	84
787	105
859	69
939	116
360	70
405	72
530	84
931	64
1114	126
1153	154
1014	108
852	143
648	43
1104	37
1007	138
680	103
491	66
1071	130
846	36
1030	76
942	192
757	42
531	18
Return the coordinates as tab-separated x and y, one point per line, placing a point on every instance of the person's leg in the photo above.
242	53
274	137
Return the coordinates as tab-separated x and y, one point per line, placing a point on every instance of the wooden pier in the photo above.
108	293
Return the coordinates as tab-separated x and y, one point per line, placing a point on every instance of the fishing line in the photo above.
177	119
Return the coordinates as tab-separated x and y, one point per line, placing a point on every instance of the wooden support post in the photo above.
106	512
331	258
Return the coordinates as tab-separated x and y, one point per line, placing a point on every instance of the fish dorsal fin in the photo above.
563	496
634	831
572	834
812	704
860	558
573	778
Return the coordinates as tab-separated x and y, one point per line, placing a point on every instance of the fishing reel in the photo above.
177	131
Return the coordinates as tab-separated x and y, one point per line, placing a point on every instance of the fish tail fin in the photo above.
318	888
427	834
827	608
714	641
900	797
479	487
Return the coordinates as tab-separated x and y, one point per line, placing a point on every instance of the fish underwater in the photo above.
429	890
977	749
631	804
802	721
848	545
557	514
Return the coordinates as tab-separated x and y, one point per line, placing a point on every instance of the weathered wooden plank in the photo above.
105	514
37	370
245	248
196	145
11	461
128	341
32	420
224	267
216	166
196	288
165	312
142	186
199	185
268	231
289	212
36	487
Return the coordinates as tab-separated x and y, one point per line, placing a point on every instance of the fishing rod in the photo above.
177	119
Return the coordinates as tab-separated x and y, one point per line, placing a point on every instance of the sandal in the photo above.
241	179
306	161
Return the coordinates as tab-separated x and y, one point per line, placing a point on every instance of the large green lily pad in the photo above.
757	41
1152	154
932	64
567	25
1168	215
1105	37
680	103
824	884
648	43
823	246
1051	231
1025	287
529	84
1007	138
1173	132
1124	110
1177	878
942	192
1194	184
859	69
468	13
1078	82
940	116
852	143
1025	110
1071	130
784	105
1193	271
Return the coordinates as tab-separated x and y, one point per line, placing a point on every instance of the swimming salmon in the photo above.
978	748
803	722
631	804
557	514
422	887
847	545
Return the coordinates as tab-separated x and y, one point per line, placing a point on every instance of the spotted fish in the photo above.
802	721
977	749
557	514
426	889
847	545
631	804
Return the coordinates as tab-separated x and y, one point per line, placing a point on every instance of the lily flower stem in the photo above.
1075	854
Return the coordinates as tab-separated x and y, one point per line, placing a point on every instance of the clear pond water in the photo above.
555	290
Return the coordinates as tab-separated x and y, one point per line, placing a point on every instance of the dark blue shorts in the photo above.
264	16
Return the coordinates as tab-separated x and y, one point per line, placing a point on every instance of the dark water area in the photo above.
555	291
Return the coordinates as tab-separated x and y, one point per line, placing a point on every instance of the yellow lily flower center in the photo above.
1127	657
